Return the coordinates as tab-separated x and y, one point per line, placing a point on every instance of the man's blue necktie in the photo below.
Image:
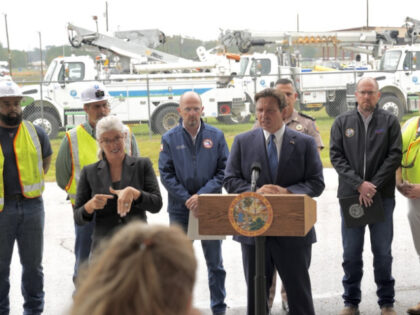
273	158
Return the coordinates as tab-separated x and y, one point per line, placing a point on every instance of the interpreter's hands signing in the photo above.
126	197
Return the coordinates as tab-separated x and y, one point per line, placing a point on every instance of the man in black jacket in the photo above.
365	150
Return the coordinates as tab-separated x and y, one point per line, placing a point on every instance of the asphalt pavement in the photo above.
326	271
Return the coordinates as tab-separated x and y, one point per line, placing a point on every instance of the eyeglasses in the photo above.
368	93
111	141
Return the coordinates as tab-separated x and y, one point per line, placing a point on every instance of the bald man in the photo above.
192	162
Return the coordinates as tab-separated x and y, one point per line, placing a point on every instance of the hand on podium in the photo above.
192	205
272	189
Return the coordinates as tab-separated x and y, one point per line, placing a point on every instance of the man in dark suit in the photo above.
290	164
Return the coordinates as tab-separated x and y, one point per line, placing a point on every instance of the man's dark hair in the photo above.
276	94
284	81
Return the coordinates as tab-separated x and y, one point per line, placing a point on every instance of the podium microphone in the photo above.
255	173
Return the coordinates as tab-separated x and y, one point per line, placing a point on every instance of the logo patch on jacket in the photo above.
180	147
378	131
207	143
349	132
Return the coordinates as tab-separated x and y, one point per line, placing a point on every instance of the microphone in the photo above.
255	173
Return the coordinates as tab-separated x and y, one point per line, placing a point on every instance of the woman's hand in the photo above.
125	198
97	202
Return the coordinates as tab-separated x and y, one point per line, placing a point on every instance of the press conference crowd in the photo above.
125	266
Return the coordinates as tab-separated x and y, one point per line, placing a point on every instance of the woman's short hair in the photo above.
109	123
143	270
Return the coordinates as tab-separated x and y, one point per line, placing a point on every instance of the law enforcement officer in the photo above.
79	148
294	119
25	156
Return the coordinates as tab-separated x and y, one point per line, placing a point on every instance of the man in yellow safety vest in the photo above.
25	156
408	182
78	149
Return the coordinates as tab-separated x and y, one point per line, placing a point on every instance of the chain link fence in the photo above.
153	99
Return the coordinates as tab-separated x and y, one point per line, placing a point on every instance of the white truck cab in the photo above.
135	98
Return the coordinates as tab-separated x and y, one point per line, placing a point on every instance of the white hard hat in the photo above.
94	92
9	88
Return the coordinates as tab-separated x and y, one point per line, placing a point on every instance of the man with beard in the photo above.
192	162
365	150
25	156
78	149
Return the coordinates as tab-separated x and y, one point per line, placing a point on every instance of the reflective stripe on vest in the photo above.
28	154
411	146
84	149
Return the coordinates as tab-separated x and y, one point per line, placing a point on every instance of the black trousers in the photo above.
292	264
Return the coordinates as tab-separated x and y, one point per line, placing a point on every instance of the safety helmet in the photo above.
94	92
9	88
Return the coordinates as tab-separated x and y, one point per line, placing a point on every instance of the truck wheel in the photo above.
49	124
165	119
232	120
392	104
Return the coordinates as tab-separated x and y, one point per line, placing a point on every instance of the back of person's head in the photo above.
143	270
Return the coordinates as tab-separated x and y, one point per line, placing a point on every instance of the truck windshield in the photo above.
50	71
260	67
390	60
244	65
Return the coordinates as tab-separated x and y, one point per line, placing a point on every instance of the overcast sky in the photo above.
195	18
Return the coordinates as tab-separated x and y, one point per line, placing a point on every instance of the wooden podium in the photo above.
293	215
290	215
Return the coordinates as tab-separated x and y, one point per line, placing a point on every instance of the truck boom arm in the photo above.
133	44
245	39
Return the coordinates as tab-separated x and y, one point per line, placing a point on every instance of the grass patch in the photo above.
150	145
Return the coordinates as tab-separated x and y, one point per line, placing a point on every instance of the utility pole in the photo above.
106	14
367	14
297	22
8	45
42	79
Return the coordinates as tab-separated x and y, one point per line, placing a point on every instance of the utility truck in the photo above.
140	91
398	74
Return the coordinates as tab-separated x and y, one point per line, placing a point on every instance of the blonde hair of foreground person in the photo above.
143	270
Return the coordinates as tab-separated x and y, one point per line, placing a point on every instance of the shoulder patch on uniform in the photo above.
306	116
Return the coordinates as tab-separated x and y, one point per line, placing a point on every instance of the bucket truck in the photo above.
153	91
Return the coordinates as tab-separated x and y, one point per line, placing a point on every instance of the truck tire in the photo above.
233	120
337	107
392	104
165	119
50	123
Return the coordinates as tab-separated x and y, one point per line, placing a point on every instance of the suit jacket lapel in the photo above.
127	171
287	148
104	175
